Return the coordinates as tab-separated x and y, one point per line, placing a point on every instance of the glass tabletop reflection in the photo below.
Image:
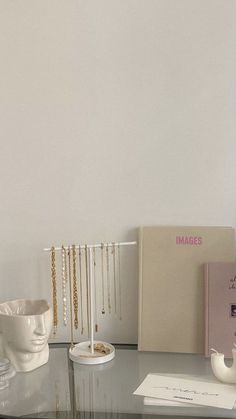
66	390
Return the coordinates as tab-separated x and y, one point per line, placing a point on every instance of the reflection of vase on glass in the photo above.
25	326
29	392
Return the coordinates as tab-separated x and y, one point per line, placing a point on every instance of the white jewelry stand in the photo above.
84	352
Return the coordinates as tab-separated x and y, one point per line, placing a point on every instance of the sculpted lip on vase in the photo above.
39	341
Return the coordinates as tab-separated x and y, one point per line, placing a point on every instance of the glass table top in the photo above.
63	389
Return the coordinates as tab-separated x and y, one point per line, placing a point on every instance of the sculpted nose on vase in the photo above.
40	326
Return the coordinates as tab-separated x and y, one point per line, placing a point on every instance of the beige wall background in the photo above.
113	114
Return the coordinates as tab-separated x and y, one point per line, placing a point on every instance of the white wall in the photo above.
113	114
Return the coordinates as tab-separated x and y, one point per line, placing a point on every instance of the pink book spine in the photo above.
206	305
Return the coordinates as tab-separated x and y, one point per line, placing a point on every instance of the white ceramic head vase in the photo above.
25	326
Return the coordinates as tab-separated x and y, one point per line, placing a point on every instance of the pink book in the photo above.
220	307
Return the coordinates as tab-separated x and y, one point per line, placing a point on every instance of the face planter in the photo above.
25	326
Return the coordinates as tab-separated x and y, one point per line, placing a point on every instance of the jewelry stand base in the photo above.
81	353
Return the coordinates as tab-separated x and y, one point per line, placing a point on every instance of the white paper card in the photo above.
154	401
188	391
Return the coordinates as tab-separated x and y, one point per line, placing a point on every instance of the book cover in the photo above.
220	307
171	284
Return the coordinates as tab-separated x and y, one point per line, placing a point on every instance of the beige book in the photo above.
171	286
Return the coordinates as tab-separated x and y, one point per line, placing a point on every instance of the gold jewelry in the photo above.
81	292
54	288
75	291
95	289
119	282
64	281
101	348
71	298
102	268
87	286
108	279
114	272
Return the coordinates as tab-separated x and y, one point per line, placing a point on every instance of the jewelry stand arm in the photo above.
93	246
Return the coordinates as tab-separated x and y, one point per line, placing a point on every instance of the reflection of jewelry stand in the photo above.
91	352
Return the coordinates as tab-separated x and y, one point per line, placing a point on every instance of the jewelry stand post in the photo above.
87	352
84	353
